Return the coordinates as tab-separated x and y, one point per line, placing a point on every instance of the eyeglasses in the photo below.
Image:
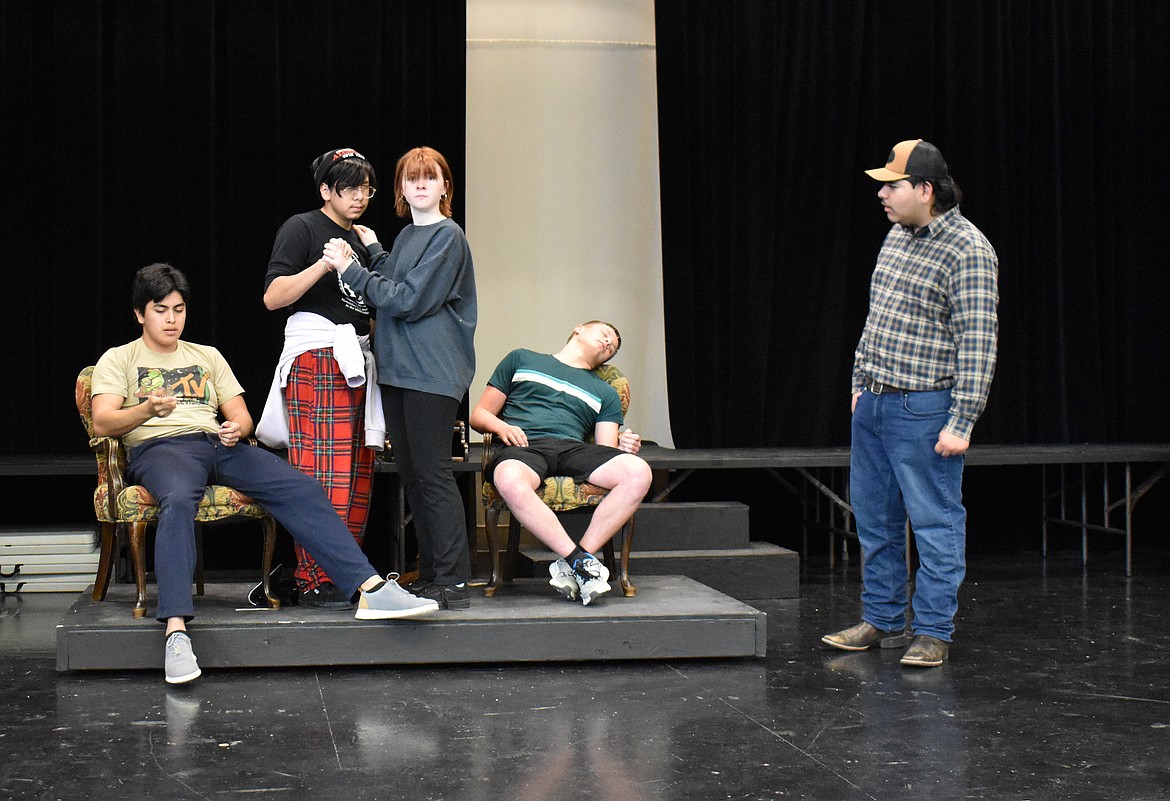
354	192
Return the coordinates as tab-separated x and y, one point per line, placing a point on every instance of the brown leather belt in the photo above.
878	388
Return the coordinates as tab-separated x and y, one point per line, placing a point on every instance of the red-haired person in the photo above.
424	294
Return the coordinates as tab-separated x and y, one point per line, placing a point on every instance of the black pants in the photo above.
419	425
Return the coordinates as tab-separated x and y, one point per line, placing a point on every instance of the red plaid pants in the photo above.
326	422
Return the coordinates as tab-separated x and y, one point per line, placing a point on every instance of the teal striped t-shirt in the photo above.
549	399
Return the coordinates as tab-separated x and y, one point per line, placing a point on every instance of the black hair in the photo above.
947	193
347	173
155	281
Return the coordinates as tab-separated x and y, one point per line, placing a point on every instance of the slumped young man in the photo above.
541	408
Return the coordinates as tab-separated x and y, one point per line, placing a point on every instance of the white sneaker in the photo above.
391	601
563	580
181	665
592	578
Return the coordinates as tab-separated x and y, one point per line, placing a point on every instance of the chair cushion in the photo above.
559	493
136	505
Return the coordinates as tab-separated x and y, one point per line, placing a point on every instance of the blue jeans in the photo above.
894	472
176	470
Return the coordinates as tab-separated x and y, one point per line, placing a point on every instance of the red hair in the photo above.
428	162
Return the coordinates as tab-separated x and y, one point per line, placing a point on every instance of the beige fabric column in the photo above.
562	184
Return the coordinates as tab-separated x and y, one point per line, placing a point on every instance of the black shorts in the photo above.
556	457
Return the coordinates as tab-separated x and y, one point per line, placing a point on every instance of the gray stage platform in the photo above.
672	617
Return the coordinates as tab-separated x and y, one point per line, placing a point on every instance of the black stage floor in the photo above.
1058	688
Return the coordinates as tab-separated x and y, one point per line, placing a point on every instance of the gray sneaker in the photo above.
592	578
181	665
391	601
562	580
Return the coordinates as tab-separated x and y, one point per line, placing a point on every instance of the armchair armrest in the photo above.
488	452
111	459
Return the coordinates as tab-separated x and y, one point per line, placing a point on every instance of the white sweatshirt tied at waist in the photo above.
306	331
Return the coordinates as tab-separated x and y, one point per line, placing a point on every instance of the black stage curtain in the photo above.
134	132
1053	117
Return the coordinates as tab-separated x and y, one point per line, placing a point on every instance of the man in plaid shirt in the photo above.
921	375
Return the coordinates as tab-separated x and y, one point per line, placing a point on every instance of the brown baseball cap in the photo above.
912	157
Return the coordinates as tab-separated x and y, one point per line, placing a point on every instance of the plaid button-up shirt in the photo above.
933	320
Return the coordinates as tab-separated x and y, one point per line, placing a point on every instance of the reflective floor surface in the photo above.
1058	687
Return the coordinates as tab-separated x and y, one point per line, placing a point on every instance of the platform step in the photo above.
20	541
19	567
761	570
672	617
45	582
680	526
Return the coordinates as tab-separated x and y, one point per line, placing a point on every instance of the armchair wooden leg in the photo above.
607	555
621	570
269	526
491	524
628	588
101	582
138	558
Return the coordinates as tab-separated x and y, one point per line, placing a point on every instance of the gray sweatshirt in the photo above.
424	291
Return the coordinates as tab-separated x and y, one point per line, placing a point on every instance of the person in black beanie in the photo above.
319	406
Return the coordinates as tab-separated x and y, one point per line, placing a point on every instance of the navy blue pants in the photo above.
177	469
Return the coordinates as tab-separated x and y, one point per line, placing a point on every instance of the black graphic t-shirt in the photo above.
299	243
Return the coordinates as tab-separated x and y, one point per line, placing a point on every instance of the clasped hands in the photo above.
338	254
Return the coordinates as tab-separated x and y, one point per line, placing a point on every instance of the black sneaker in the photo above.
325	596
448	596
419	586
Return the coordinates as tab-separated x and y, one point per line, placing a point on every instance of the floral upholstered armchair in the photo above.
121	508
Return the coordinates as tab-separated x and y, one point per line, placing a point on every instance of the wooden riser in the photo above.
672	617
